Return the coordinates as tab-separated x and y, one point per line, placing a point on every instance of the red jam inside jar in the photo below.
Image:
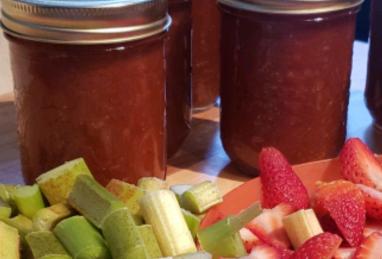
374	76
205	54
100	97
178	56
285	81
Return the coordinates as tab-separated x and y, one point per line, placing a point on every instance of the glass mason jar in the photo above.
89	80
205	54
285	77
178	52
374	75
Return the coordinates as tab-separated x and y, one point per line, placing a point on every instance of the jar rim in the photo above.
296	7
84	21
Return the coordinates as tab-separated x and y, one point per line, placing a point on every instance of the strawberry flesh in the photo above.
269	227
250	240
263	252
359	164
371	227
373	201
322	246
371	247
267	252
344	253
280	184
344	203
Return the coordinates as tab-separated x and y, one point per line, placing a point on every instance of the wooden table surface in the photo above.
202	156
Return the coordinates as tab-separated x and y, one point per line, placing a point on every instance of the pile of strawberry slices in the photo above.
348	211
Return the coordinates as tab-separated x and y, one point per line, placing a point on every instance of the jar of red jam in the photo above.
205	54
178	75
89	80
374	75
285	77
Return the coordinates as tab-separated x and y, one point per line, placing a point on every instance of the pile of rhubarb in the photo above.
67	214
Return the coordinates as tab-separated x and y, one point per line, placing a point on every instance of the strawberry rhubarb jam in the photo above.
285	77
178	52
90	82
205	53
374	78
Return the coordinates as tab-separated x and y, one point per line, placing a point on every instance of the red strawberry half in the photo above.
359	164
269	228
371	248
344	203
279	182
373	201
322	246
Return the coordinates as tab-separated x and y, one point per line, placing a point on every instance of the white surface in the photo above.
360	57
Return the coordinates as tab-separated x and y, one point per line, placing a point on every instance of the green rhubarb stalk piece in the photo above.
129	194
56	184
9	242
92	200
28	200
81	239
44	243
5	210
199	198
193	222
6	192
123	237
150	241
47	218
230	246
161	210
211	238
21	223
199	255
138	219
6	195
179	189
151	184
56	257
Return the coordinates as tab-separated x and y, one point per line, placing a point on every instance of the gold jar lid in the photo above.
85	21
292	6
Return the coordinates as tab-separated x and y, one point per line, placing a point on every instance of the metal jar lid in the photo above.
85	21
292	6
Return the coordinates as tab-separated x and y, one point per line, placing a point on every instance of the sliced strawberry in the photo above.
371	227
269	228
373	201
250	240
344	203
280	184
267	252
359	164
371	248
285	253
322	246
263	252
344	253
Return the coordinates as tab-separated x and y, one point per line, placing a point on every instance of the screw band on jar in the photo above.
85	22
292	6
